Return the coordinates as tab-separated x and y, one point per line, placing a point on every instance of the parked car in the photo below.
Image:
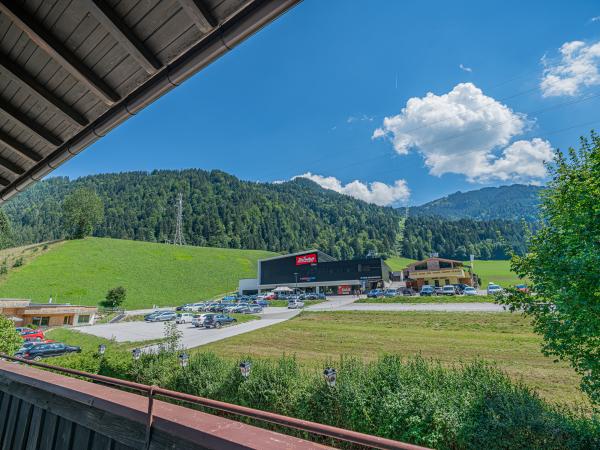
22	329
254	309
375	293
33	335
493	289
470	291
523	288
184	318
407	292
260	302
391	293
218	320
198	320
438	290
321	296
162	317
182	307
28	344
295	304
153	313
41	351
460	288
311	296
449	290
427	291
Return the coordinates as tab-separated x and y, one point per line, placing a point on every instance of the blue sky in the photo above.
308	93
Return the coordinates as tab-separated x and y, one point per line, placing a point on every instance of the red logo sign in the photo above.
309	258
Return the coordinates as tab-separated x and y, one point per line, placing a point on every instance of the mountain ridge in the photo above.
515	202
221	210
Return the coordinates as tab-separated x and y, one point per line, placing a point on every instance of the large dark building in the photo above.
314	270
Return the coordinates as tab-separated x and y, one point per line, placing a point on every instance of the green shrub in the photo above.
3	269
18	262
469	406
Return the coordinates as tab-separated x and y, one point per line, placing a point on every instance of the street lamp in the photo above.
296	279
330	376
183	360
136	353
245	367
101	349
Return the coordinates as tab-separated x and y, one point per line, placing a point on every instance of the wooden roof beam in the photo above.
57	51
11	166
29	124
123	34
18	73
199	14
15	146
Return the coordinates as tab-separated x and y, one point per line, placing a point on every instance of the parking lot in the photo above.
195	337
192	337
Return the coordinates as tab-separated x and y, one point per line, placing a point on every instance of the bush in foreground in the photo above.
471	406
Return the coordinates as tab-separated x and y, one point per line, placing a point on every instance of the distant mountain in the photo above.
514	202
222	211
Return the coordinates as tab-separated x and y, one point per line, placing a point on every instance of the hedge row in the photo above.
471	406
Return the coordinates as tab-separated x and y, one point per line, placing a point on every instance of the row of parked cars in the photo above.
36	347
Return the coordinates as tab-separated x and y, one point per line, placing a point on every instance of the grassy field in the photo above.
432	299
448	337
82	271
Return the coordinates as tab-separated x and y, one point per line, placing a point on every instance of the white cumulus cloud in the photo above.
466	132
377	192
576	68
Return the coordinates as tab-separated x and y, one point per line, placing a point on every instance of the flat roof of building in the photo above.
323	256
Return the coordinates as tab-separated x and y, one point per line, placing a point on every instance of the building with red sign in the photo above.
315	271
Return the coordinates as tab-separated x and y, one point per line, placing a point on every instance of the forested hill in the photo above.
223	211
515	202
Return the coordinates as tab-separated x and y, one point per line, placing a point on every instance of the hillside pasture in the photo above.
82	271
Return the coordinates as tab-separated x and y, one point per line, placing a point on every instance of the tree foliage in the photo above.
10	341
563	264
6	236
223	211
115	297
83	210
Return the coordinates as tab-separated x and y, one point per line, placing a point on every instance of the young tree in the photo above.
115	297
82	210
563	265
10	341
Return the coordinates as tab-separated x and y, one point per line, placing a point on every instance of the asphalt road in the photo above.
195	337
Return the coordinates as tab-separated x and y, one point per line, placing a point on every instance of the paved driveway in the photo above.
192	337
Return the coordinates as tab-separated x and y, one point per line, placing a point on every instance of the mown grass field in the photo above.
494	271
432	299
451	338
82	271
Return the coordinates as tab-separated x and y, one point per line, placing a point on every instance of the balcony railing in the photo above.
77	406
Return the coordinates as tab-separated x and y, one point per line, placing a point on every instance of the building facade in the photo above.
23	312
437	272
315	271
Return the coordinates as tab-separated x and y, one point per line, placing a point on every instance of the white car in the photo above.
184	318
470	291
195	307
493	289
198	320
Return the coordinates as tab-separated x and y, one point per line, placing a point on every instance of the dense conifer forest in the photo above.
223	211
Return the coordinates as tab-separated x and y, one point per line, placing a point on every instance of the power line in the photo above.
179	239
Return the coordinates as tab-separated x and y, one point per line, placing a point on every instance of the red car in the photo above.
523	288
32	335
